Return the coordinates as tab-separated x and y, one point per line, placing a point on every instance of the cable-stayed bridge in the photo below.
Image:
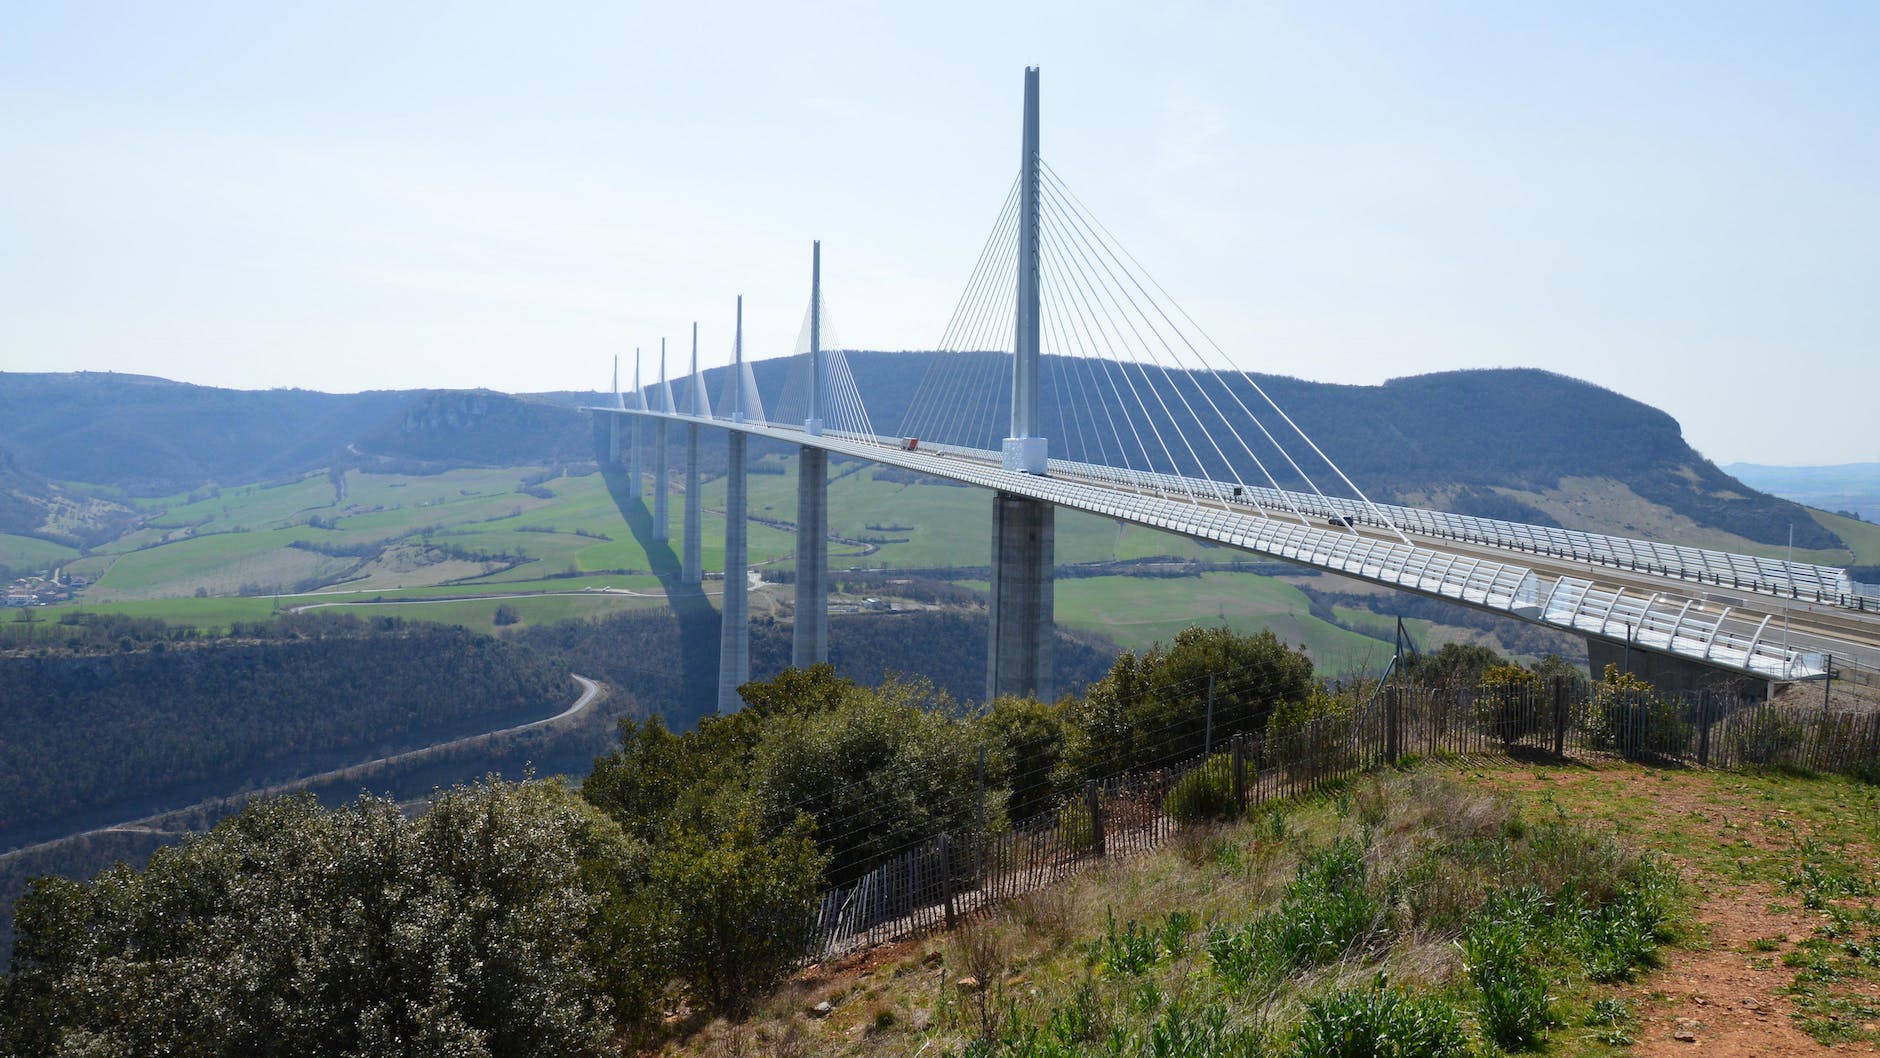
1069	378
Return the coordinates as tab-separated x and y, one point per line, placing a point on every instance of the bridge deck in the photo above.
1662	604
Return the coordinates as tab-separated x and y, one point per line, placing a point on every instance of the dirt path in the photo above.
1727	1000
1721	993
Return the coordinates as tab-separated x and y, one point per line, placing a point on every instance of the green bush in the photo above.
1508	704
1628	716
739	901
289	929
1154	706
1136	947
1765	736
1312	736
1380	1022
1204	793
1074	826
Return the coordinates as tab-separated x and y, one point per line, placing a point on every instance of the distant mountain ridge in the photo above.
1521	444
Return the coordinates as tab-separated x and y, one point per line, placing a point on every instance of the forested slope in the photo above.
162	724
670	665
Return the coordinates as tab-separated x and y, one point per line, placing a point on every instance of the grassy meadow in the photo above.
429	546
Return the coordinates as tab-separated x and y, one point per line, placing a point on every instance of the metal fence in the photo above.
933	885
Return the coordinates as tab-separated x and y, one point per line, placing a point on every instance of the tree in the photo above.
290	930
1153	707
1452	668
879	771
1032	736
505	615
739	900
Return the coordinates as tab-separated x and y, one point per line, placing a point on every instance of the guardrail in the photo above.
1483	582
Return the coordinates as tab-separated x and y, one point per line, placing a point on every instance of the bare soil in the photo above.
1719	995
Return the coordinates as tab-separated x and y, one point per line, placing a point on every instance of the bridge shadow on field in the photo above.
697	618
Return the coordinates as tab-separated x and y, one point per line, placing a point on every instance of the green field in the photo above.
480	614
210	615
30	553
415	546
1863	537
1139	612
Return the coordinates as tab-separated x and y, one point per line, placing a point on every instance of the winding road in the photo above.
591	692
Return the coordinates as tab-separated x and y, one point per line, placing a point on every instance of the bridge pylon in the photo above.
613	421
1021	624
809	643
662	467
692	569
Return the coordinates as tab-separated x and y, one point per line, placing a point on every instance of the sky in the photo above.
1680	202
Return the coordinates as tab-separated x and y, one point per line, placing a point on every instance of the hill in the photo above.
32	507
150	436
1522	444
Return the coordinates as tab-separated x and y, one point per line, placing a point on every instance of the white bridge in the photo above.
1154	402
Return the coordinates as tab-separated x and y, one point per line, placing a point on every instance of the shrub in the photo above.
1074	826
1204	793
1137	947
739	902
1622	937
1764	736
1379	1022
1506	702
1313	735
1629	716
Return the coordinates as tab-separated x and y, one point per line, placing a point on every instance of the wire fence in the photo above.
932	885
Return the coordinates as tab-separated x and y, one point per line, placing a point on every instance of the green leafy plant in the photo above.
1513	1005
1380	1022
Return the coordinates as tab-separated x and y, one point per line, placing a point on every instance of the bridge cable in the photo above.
1072	197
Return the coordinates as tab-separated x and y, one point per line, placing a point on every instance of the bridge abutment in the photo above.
734	635
810	637
1020	632
691	570
1669	674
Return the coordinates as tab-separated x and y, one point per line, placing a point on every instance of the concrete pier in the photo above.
810	639
691	570
634	470
1020	633
734	630
662	483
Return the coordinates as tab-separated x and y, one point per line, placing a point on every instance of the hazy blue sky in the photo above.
1681	202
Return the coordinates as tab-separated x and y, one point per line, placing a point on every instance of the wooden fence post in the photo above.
1560	717
946	879
1240	773
1093	802
1393	727
1703	728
